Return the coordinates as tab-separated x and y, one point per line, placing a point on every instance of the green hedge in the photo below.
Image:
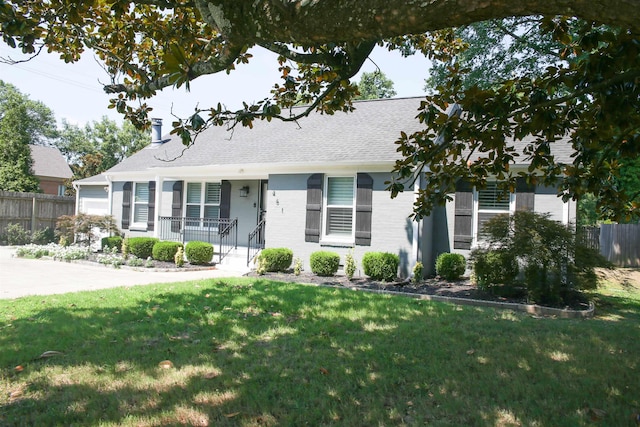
450	266
112	242
381	265
276	259
142	247
165	251
324	263
199	253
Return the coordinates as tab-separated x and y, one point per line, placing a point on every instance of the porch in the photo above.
222	233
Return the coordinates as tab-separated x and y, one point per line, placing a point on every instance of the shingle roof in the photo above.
49	162
366	135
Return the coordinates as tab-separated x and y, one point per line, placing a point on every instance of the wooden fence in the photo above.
33	211
620	244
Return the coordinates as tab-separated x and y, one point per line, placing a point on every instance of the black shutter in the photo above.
151	217
525	195
463	222
126	205
314	208
364	195
176	206
225	200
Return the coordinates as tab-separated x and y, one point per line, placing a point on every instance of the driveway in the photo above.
21	277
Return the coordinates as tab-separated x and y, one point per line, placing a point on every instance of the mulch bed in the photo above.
462	288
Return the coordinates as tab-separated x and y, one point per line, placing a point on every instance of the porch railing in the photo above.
222	233
256	241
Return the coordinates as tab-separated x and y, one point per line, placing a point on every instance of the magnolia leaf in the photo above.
166	364
47	354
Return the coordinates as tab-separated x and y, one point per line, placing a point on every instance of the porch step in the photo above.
235	261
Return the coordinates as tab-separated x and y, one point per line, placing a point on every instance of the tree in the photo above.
22	122
497	50
99	145
375	85
590	98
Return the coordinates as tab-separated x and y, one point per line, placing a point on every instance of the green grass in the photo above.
260	353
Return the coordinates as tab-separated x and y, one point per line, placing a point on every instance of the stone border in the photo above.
534	309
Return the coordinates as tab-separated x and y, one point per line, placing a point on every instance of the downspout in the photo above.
415	247
77	188
109	194
158	196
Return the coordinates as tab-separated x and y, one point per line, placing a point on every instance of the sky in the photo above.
74	91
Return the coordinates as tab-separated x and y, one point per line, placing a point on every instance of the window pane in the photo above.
140	213
212	193
142	193
193	192
211	212
193	211
492	198
339	221
340	191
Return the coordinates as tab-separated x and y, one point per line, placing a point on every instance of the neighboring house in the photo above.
51	169
314	185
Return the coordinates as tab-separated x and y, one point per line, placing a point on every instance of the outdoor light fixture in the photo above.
244	191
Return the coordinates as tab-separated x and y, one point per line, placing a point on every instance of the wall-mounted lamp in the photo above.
244	191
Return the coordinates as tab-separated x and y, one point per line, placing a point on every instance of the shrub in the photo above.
276	259
165	251
17	235
418	272
450	266
555	264
43	237
494	268
199	253
349	265
179	257
83	228
381	265
324	263
111	242
141	247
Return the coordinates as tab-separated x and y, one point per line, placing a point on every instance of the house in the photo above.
51	169
314	185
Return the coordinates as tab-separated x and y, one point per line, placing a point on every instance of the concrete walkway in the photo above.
21	277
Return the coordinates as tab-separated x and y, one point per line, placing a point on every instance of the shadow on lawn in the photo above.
264	353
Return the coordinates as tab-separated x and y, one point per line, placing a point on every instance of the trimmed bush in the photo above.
324	263
494	268
43	237
199	253
276	259
165	251
381	265
17	235
112	242
142	247
450	266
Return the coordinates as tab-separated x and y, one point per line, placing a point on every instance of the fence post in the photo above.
33	213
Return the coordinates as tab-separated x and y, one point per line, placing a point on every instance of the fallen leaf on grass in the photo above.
15	395
324	371
18	368
231	415
210	375
470	352
50	353
166	364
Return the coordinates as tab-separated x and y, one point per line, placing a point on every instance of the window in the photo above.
140	204
203	201
491	202
339	208
61	190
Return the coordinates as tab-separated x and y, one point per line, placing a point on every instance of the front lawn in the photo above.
252	352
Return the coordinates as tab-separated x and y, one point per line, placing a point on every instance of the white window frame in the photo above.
477	211
135	203
61	189
203	204
338	238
